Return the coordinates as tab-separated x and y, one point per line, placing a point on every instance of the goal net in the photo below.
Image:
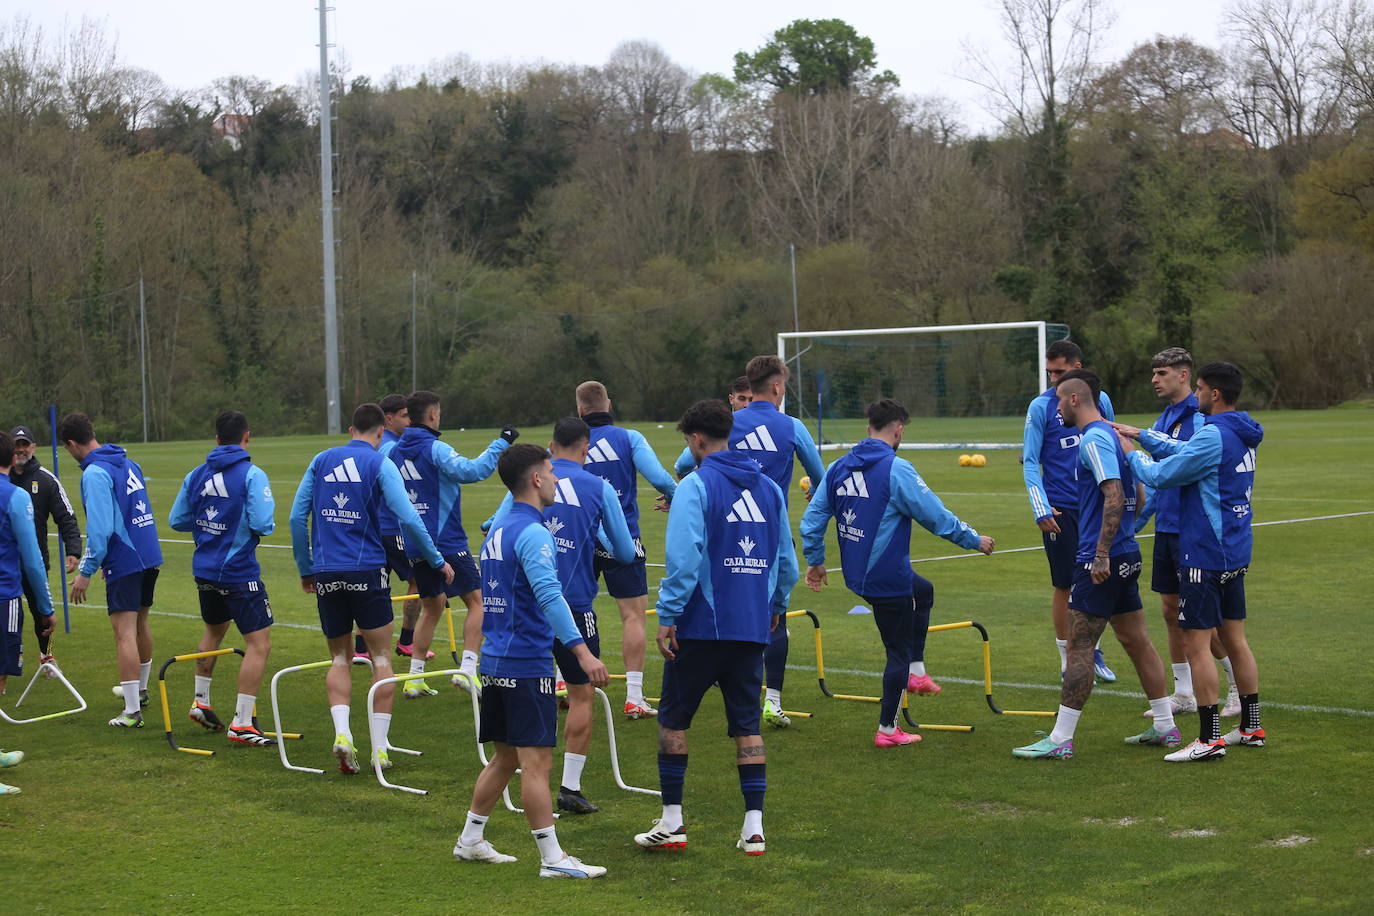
966	386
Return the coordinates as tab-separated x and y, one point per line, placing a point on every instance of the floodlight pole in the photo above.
796	319
143	353
414	365
331	317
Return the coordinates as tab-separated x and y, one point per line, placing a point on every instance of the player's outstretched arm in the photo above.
813	524
648	465
613	528
181	517
911	497
261	508
301	507
1194	460
468	470
506	502
807	453
685	464
785	569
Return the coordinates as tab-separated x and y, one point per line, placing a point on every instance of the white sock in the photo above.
340	715
417	666
572	771
1183	678
1163	711
888	729
672	818
130	689
634	687
143	669
243	710
381	730
469	662
202	690
753	823
1063	645
917	668
774	697
473	829
1230	675
558	674
547	841
1097	647
1065	724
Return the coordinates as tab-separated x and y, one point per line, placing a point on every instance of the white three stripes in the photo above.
745	509
344	473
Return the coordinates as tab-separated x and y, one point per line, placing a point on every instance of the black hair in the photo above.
711	418
1088	377
569	431
367	418
230	427
1066	350
419	404
740	384
1173	356
76	427
885	411
516	462
761	370
1223	377
393	404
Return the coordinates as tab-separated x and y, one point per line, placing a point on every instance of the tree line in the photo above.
632	222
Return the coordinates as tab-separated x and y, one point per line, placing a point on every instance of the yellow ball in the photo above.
979	461
965	461
805	484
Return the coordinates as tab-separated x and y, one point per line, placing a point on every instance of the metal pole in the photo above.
143	353
62	566
796	323
414	366
331	317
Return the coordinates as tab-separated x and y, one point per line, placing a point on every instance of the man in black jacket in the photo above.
48	498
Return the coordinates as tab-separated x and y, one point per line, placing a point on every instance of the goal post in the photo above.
965	385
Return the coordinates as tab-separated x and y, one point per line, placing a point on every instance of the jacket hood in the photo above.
223	456
415	441
108	454
869	452
738	467
1242	424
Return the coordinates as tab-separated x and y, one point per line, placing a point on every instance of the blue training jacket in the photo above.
1178	421
226	504
585	512
433	473
334	526
1100	458
730	564
1049	454
121	534
873	496
610	446
19	553
771	438
1215	475
385	519
523	607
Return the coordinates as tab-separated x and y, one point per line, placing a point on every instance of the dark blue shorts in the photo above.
735	666
466	578
11	636
629	580
1206	597
348	598
1062	549
396	560
519	711
1165	570
132	592
1120	594
245	603
567	661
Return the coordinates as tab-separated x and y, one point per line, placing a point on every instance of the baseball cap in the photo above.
23	432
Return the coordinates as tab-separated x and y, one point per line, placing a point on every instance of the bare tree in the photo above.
1349	40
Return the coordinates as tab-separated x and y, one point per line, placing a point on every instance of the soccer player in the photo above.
21	570
738	396
337	545
874	495
616	454
1214	473
770	437
1171	374
226	504
396	415
1049	457
433	473
121	539
730	569
524	611
1104	586
585	509
49	499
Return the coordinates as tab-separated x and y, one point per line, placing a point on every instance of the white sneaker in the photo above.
465	680
1238	738
1181	703
1232	707
481	851
569	867
658	837
1197	751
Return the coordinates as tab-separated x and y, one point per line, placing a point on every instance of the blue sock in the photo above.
672	773
753	782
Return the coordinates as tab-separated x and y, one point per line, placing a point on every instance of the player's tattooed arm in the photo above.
1113	505
672	741
1084	632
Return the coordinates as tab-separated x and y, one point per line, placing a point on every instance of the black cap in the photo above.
22	432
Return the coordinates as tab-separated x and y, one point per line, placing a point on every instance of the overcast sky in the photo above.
190	42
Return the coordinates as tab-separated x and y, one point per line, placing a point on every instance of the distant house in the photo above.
231	127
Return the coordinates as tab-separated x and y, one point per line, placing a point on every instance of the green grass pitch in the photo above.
117	821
